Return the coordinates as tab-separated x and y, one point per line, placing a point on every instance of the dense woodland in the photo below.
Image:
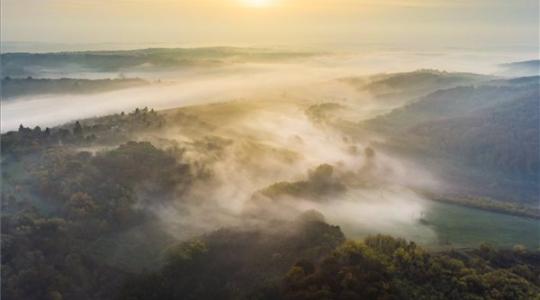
486	133
253	265
513	127
58	201
75	196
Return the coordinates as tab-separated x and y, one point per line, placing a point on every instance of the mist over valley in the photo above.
137	167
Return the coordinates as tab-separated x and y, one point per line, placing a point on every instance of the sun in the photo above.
258	3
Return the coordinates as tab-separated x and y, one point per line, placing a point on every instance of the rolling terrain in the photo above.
285	181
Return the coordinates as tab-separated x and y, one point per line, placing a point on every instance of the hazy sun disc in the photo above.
258	3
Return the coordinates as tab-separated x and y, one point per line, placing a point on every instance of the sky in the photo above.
335	23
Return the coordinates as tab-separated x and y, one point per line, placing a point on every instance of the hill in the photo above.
15	88
37	64
489	131
521	68
401	88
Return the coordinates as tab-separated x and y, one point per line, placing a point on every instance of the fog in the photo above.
199	85
274	141
265	135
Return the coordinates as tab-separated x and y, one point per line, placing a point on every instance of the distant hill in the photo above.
34	64
503	140
485	138
14	88
518	81
403	87
521	68
455	102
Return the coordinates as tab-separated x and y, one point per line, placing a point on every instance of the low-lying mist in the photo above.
303	78
268	160
274	140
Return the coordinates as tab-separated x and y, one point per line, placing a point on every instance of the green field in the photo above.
461	226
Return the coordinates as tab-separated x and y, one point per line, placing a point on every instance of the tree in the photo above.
80	205
77	129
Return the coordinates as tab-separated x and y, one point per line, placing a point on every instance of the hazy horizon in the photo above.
344	24
195	85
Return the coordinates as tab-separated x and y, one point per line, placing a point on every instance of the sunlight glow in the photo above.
257	3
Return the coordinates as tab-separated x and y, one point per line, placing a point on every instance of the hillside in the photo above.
401	88
489	131
37	64
14	88
450	103
503	138
194	201
521	68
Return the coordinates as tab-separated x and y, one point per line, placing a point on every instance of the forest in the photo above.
489	131
80	221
